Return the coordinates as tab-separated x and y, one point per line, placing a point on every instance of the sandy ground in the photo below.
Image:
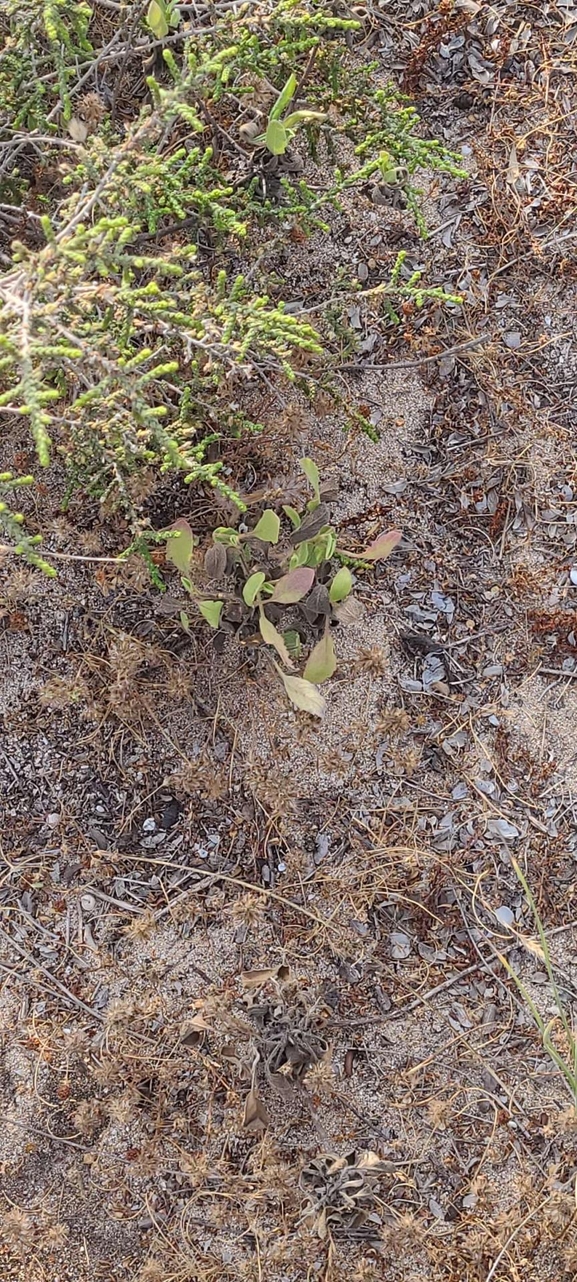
242	949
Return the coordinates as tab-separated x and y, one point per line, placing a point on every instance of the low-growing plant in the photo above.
280	128
304	577
116	350
12	525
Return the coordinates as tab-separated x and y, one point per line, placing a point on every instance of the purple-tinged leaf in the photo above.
382	547
293	586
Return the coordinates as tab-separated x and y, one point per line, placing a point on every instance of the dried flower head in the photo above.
141	927
21	585
61	692
374	660
394	722
178	685
122	1109
87	1117
152	1271
18	1228
404	761
275	792
56	1235
249	910
91	110
199	778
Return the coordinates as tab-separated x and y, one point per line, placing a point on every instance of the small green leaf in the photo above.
300	556
185	621
293	586
276	137
311	472
316	554
322	660
303	694
270	636
382	547
341	585
293	516
252	587
179	546
156	18
331	544
285	95
211	611
226	535
293	643
268	528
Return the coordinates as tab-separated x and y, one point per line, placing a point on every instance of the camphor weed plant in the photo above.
12	525
125	323
43	42
303	576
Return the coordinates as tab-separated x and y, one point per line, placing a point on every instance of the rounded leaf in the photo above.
322	660
276	138
156	19
350	611
311	472
341	585
215	561
211	611
268	528
303	694
179	546
252	587
382	547
293	586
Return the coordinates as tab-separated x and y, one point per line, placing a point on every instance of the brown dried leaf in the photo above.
255	1116
215	561
349	611
255	978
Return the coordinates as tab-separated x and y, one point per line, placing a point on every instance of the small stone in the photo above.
504	915
363	272
52	820
400	945
149	825
87	903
